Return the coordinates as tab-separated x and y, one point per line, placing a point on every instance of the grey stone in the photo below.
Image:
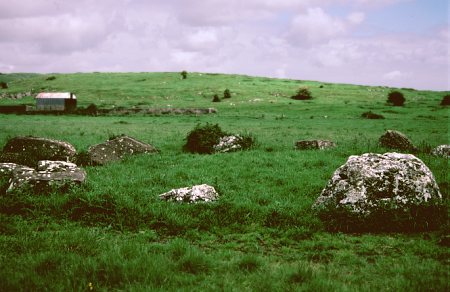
50	176
396	140
442	151
29	150
229	144
116	149
371	182
314	144
194	194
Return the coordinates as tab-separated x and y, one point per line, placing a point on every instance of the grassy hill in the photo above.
114	232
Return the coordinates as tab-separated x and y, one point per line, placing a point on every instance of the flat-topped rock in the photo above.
29	150
116	149
49	176
194	194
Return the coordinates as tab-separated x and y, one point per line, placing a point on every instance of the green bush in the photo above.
51	78
396	98
303	93
203	138
446	100
216	98
3	85
184	74
227	93
247	141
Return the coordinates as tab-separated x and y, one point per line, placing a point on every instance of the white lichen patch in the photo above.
228	144
194	194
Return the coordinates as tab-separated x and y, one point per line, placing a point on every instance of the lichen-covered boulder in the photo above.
6	173
396	140
314	144
194	194
441	151
49	176
29	150
116	149
373	190
229	144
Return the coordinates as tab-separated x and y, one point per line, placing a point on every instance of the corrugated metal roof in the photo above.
59	95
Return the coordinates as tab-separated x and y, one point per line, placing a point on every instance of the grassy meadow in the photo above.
113	232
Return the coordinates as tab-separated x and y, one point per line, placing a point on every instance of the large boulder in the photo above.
441	151
396	140
194	194
29	150
314	144
49	176
115	149
381	191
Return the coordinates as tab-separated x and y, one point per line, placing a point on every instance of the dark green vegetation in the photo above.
396	98
303	93
114	232
446	100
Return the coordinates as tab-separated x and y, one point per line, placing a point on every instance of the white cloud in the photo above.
356	17
301	39
394	75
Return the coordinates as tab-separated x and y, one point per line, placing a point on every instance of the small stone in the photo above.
314	144
194	194
396	140
228	144
441	151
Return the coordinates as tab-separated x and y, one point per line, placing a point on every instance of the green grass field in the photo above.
113	233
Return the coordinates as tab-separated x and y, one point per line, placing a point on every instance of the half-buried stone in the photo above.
49	176
390	191
314	144
441	151
194	194
116	149
29	150
392	139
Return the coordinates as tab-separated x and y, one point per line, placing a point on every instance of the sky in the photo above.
397	43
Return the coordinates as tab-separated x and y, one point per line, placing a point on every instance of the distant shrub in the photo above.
445	100
216	98
372	116
396	98
92	109
51	78
321	86
3	85
203	138
303	93
227	93
184	74
210	138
